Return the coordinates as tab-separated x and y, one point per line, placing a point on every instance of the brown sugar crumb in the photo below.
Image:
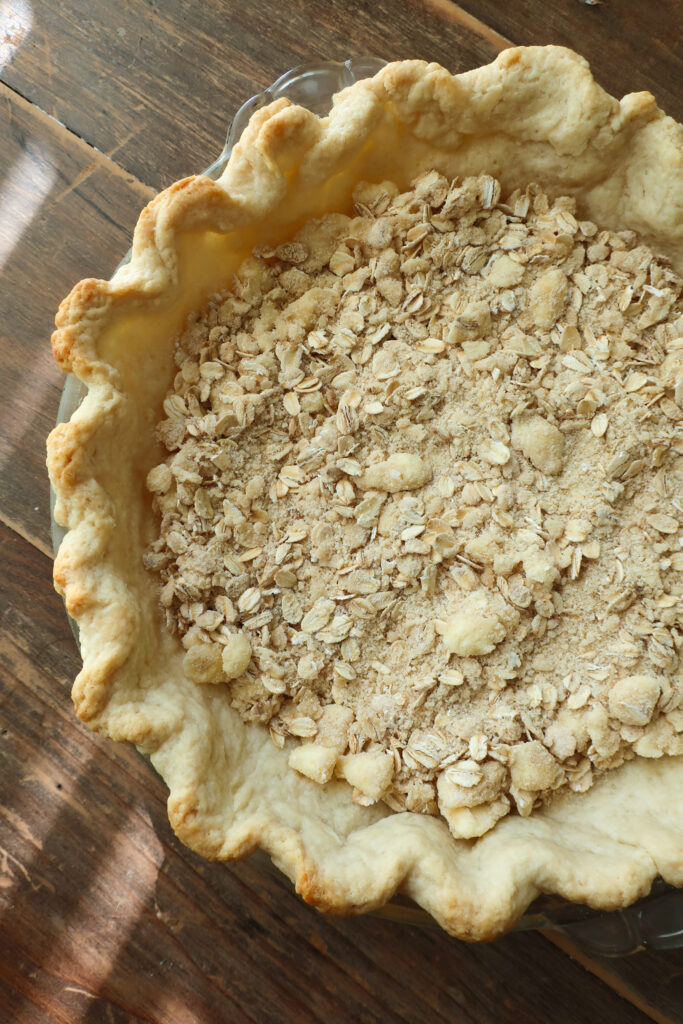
422	508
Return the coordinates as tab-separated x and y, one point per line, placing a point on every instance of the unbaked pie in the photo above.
375	499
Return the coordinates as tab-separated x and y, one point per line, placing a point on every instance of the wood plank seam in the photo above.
101	158
194	865
95	160
34	542
457	14
451	12
607	977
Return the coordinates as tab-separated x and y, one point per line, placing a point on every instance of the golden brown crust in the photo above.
533	115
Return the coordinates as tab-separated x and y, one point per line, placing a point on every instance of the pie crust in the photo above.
534	115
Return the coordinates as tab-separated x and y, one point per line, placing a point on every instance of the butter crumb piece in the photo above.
370	772
472	822
202	663
314	761
474	629
236	656
532	767
541	442
400	472
539	566
633	698
548	297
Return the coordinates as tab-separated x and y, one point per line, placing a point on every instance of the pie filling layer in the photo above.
421	512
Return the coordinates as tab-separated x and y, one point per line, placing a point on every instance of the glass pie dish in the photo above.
653	922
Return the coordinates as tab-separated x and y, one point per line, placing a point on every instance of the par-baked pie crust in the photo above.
534	115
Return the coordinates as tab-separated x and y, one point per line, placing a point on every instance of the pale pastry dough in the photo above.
534	115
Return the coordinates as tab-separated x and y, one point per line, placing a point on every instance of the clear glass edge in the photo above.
647	923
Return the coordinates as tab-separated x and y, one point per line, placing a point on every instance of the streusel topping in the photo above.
422	508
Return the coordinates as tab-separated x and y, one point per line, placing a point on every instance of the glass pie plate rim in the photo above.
653	922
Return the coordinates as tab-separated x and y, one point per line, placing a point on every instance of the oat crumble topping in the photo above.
422	507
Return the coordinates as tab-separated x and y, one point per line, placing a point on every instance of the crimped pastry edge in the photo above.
533	114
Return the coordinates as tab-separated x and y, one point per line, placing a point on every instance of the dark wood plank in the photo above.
106	917
651	981
65	212
155	84
630	45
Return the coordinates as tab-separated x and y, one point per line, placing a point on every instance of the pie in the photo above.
375	500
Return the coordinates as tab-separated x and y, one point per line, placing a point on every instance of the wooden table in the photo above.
105	916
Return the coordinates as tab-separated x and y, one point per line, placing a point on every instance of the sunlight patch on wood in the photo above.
16	21
22	193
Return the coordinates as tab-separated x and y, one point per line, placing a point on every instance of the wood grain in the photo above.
630	45
154	85
66	212
653	982
106	917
